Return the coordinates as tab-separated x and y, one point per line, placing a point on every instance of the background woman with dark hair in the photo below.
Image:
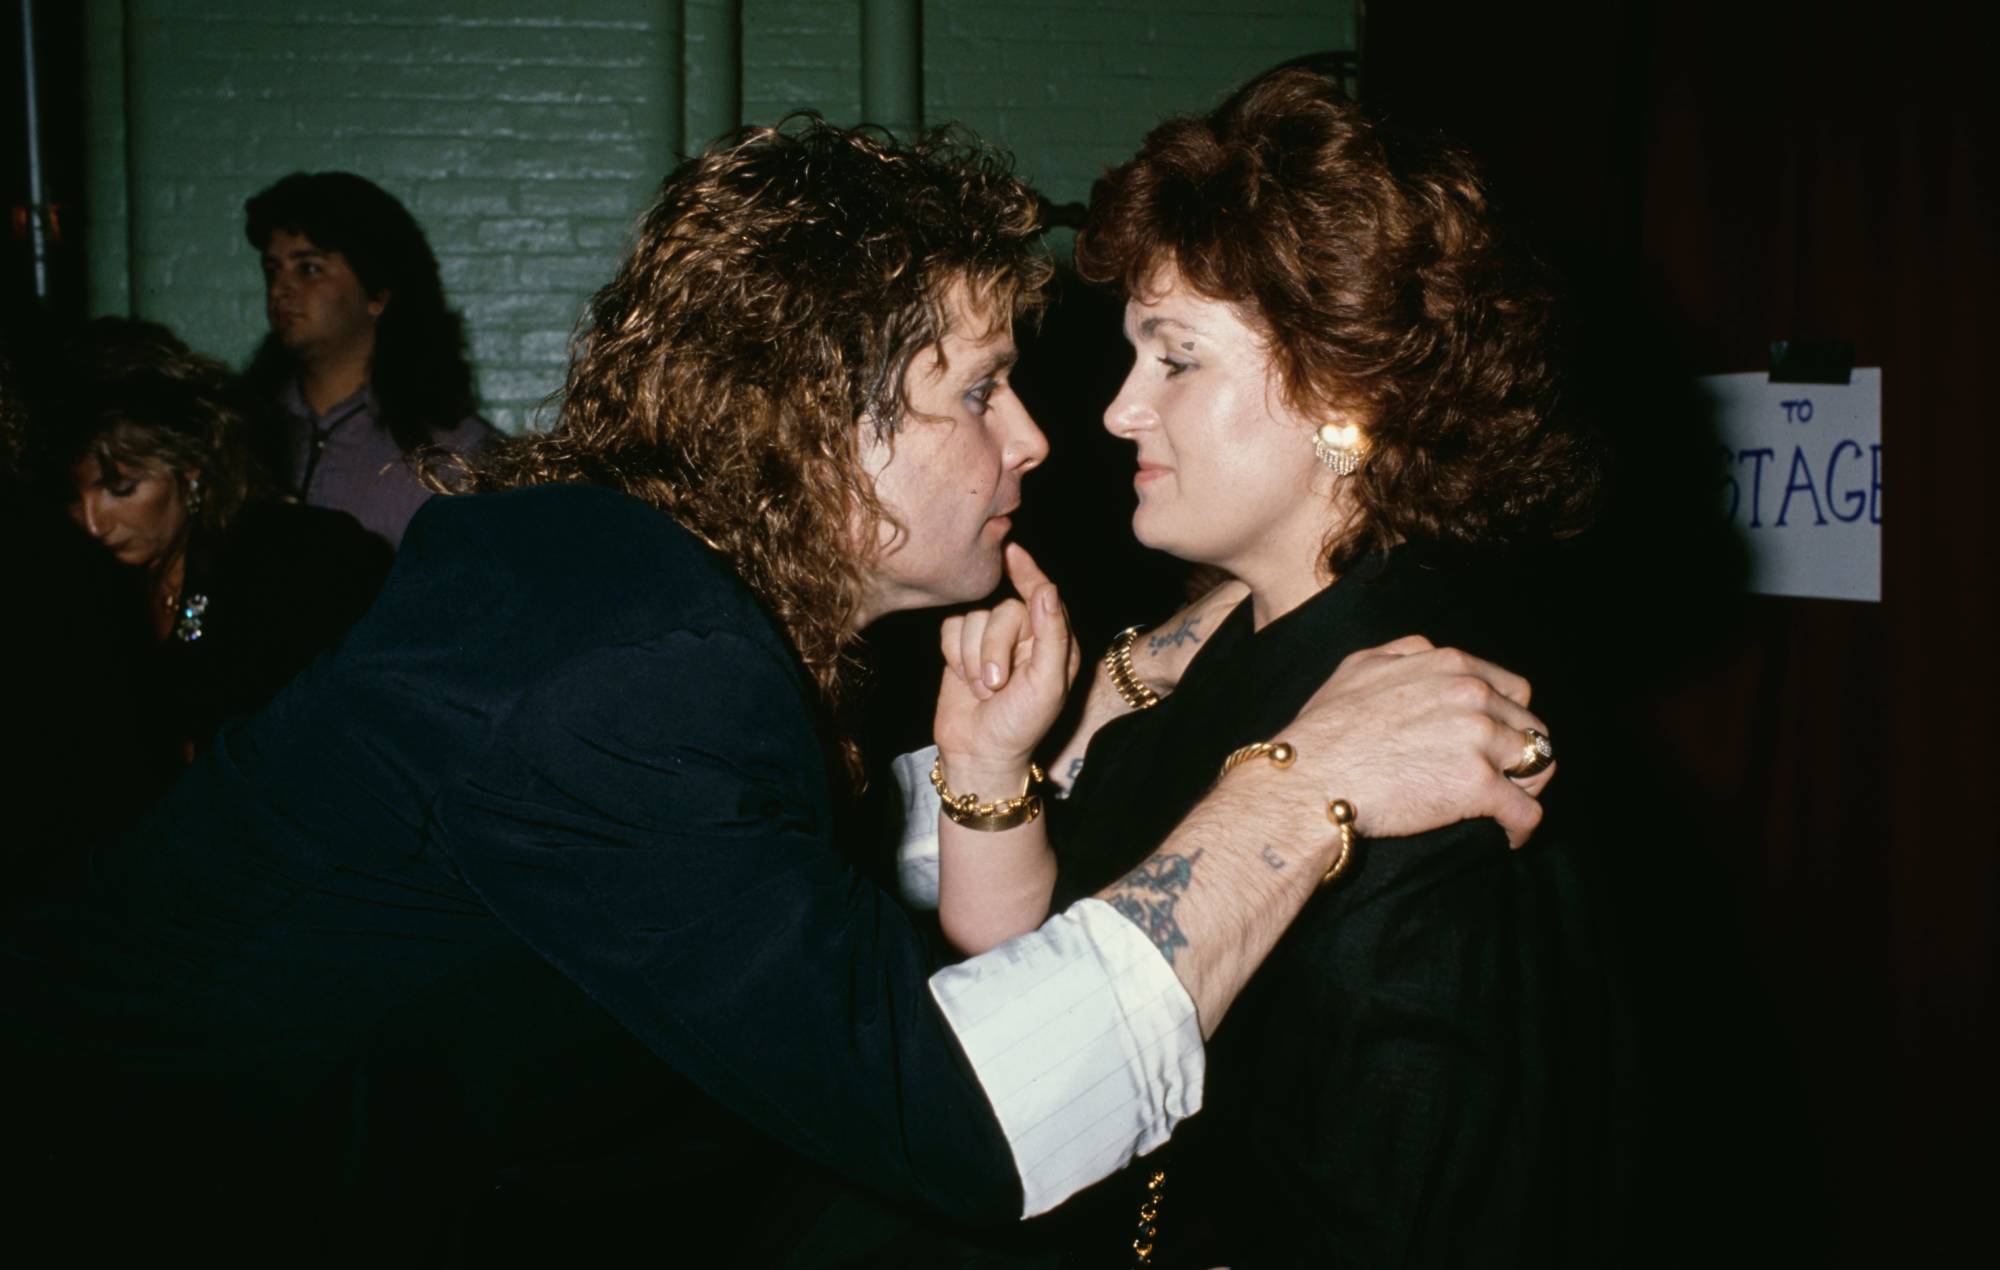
1343	396
364	368
234	592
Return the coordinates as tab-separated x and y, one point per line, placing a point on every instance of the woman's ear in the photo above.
378	302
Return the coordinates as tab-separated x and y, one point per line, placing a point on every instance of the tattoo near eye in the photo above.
1271	857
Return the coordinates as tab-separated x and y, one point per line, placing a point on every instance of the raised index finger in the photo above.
1023	572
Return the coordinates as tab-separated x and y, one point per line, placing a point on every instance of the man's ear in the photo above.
378	302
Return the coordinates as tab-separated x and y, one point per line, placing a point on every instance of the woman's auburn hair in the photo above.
1371	263
771	304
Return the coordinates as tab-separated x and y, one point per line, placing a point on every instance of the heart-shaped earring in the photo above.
1338	446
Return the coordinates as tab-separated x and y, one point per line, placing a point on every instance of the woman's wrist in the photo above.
1152	669
1123	675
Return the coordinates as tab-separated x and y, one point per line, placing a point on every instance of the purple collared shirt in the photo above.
346	459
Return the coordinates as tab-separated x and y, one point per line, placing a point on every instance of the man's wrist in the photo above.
989	778
1297	841
1227	882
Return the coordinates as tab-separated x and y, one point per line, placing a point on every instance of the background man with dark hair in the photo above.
365	365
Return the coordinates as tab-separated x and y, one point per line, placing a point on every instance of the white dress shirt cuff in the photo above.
1085	1042
917	855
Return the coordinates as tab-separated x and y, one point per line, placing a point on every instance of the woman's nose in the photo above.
84	512
1127	414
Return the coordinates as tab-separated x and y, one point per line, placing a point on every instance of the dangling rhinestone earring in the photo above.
1338	446
194	496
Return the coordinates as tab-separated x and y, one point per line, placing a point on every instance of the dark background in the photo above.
1711	178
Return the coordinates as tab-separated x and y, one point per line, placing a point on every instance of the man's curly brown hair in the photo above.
772	302
1372	263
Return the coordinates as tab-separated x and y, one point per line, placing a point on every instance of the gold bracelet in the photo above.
1118	663
1280	753
1339	811
967	810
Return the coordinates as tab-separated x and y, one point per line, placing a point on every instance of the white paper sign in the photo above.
1802	481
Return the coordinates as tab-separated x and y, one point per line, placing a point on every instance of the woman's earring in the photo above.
194	496
1338	446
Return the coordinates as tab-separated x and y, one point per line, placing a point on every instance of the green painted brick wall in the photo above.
1071	85
522	135
800	54
525	136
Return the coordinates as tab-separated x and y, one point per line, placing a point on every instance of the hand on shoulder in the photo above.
1418	737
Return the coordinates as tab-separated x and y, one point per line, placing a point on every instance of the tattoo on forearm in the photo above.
1184	633
1147	895
1271	857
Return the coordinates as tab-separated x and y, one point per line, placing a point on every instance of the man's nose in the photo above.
1027	447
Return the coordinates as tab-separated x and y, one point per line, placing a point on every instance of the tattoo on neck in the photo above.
1271	857
1181	634
1147	895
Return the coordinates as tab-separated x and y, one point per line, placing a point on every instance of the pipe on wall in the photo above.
711	70
38	210
892	65
672	116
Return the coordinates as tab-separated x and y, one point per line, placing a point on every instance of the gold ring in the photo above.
1536	754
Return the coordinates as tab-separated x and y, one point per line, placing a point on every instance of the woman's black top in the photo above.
1431	1068
281	585
108	714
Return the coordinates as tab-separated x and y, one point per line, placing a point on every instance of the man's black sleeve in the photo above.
653	821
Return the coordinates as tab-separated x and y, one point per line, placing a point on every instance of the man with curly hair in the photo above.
554	821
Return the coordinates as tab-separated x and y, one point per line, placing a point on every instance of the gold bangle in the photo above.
1118	663
1280	753
1339	811
967	810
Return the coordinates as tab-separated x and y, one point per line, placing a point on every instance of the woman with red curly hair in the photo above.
1344	396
